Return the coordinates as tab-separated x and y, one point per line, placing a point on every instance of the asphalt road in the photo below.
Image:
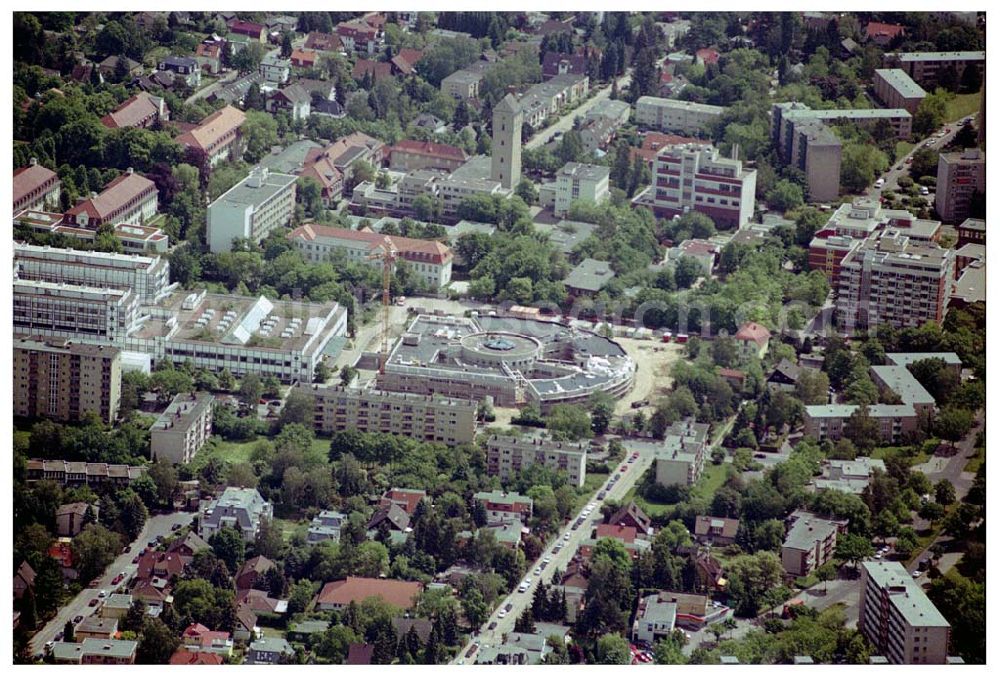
566	122
901	168
155	526
560	560
218	84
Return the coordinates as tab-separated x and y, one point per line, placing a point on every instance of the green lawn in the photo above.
22	436
230	452
962	105
711	479
918	454
903	148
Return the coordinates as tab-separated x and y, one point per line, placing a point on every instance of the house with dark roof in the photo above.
734	378
188	546
421	626
245	625
632	515
391	516
71	517
557	63
268	651
784	377
378	70
588	278
328	42
261	603
360	654
24	580
329	108
293	99
184	67
254	31
109	66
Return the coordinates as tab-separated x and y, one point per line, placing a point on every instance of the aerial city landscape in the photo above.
454	338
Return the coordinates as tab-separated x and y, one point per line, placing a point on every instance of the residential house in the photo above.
360	654
71	517
94	627
254	31
323	42
116	606
24	580
407	499
109	67
186	548
197	638
361	36
588	278
268	651
216	136
304	58
185	657
810	542
274	69
304	630
784	377
504	507
705	253
140	111
631	515
245	626
293	99
336	595
184	67
883	33
753	339
35	187
325	527
165	565
261	603
252	571
130	198
719	531
95	652
391	516
208	54
243	505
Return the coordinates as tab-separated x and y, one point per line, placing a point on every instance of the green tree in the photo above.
251	389
569	422
93	549
853	548
157	643
612	649
944	492
229	546
751	579
785	196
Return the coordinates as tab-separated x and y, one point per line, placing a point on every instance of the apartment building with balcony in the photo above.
507	455
580	182
681	457
891	280
428	418
898	619
242	505
98	315
504	506
674	116
925	67
251	209
63	380
896	89
810	541
960	176
695	178
183	428
128	199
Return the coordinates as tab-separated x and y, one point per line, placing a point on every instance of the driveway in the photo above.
522	601
845	591
155	526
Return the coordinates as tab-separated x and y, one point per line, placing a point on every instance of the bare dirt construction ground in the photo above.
652	376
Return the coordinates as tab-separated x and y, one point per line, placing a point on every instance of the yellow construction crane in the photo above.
387	253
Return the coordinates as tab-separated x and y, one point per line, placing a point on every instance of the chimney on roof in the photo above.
33	162
129	170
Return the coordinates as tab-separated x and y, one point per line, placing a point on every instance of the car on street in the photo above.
493	625
94	583
566	536
878	555
78	619
128	549
879	183
102	594
917	573
601	494
909	160
547	560
624	468
151	543
924	190
176	526
117	579
509	606
538	570
94	602
502	614
135	560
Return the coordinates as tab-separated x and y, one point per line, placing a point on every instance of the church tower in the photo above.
507	120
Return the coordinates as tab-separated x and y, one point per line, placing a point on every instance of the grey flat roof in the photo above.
844	411
901	380
680	105
584	171
590	274
907	596
291	158
901	82
242	193
949	357
942	56
807	530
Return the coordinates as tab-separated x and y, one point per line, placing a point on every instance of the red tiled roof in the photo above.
323	42
730	373
653	142
119	192
378	70
131	113
185	657
213	50
406	498
29	178
303	56
411	56
753	332
707	55
213	128
324	172
360	654
420	250
400	593
699	247
429	149
876	29
623	533
246	28
355	28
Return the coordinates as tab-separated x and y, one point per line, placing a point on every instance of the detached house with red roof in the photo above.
706	56
329	42
753	339
336	595
303	58
410	155
128	199
35	187
430	260
883	33
216	136
360	36
141	111
254	31
378	70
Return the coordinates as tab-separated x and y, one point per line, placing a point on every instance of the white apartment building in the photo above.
147	277
695	178
580	182
897	617
672	116
507	455
429	418
98	315
251	209
183	428
430	260
681	457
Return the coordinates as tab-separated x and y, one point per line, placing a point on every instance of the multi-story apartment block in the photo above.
810	541
681	457
35	187
251	209
217	136
827	422
274	69
360	36
430	260
972	230
504	506
695	178
99	315
827	251
462	84
95	652
183	428
546	99
426	417
236	505
63	380
897	617
960	176
507	455
130	198
410	155
816	151
673	116
147	277
896	89
580	182
925	67
892	280
784	115
140	111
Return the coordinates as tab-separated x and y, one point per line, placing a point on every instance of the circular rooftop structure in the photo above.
490	349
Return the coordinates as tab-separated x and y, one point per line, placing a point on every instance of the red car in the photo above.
624	468
117	579
93	602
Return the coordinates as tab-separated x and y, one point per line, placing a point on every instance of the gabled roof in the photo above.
400	593
186	657
192	541
29	178
213	128
378	69
703	523
624	533
419	249
633	515
360	654
788	369
26	573
391	513
429	149
259	565
323	42
753	332
294	93
119	192
304	56
877	29
132	112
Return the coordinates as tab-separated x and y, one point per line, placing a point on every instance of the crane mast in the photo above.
386	253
